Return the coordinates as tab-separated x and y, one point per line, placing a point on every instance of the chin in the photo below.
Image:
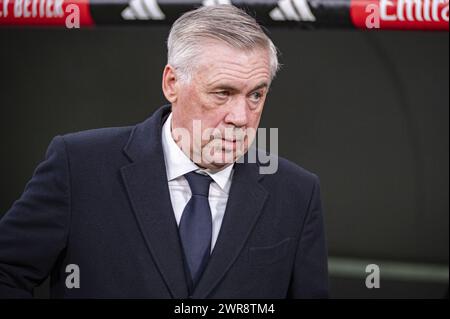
220	162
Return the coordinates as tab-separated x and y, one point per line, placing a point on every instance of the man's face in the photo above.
225	96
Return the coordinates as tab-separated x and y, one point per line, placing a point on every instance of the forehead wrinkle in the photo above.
248	57
239	64
232	65
231	76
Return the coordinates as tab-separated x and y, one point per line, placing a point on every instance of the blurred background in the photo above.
366	111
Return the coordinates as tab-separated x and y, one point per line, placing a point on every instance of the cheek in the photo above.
190	107
254	118
188	100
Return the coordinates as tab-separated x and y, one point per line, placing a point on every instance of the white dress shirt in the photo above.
178	164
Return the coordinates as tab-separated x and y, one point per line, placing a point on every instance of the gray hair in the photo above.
225	23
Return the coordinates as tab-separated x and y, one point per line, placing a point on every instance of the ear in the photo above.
170	84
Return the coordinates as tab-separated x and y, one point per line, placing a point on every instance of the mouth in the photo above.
234	145
228	142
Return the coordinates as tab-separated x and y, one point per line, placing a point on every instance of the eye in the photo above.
256	96
222	94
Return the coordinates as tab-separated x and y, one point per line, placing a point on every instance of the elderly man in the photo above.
167	208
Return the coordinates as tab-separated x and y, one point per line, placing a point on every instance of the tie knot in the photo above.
198	183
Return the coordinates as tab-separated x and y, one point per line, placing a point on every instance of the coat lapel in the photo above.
145	181
245	203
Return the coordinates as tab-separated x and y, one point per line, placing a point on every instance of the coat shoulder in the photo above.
99	140
291	172
289	168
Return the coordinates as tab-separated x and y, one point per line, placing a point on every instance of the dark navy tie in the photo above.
196	226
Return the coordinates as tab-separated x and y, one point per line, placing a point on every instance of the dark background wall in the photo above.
367	112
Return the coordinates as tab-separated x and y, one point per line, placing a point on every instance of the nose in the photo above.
237	115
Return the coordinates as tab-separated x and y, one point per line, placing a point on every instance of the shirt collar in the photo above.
178	163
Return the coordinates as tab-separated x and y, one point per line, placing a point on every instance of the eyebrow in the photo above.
231	88
260	86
